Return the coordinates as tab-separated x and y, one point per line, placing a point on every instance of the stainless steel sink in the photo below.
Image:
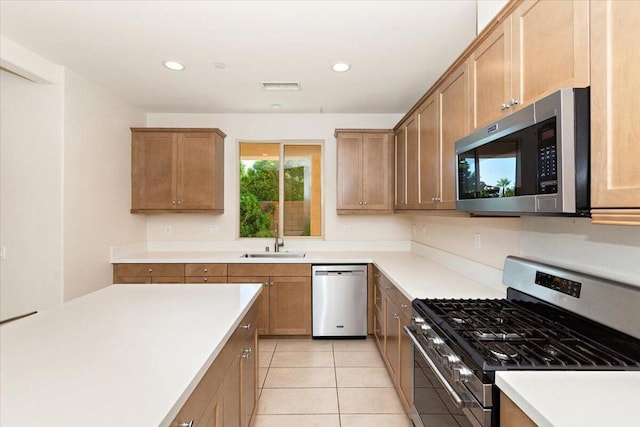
273	255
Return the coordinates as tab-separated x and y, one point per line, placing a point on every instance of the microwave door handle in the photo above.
456	398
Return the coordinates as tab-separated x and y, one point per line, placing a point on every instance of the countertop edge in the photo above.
173	412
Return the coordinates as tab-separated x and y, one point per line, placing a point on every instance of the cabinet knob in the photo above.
173	202
189	423
266	284
360	203
151	270
395	316
206	279
365	203
404	305
179	202
504	107
246	353
513	102
206	270
270	283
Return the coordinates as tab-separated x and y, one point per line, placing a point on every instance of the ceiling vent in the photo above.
281	85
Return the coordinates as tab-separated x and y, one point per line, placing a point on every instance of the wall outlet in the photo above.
346	228
168	229
213	229
477	242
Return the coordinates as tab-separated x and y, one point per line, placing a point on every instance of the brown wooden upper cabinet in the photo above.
425	145
177	170
540	47
615	112
364	170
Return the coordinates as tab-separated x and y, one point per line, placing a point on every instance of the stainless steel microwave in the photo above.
533	161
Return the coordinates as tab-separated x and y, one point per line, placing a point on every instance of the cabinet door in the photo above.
406	364
400	169
490	68
615	112
428	152
231	403
290	306
263	299
455	118
249	379
153	171
350	166
550	47
412	164
196	186
375	171
392	328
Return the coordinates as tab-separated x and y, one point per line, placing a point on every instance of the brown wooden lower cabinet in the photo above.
511	415
392	313
285	303
227	394
148	273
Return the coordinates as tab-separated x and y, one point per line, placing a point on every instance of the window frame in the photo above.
282	143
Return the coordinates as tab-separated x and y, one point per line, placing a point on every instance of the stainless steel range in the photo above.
551	319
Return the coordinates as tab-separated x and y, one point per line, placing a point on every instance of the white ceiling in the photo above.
397	49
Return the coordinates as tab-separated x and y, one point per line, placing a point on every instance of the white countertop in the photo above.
415	275
88	362
570	398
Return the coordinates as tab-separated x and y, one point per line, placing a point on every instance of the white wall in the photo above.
241	127
31	150
487	10
97	183
602	250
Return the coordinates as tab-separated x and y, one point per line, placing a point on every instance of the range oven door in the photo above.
438	401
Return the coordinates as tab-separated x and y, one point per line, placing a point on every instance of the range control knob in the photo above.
461	374
450	359
435	342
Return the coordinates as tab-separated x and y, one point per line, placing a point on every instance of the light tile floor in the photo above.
322	383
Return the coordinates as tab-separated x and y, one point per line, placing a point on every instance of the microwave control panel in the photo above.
547	158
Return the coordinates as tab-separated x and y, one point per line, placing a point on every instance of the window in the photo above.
280	188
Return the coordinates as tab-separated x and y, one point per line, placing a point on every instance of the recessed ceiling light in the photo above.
173	65
340	67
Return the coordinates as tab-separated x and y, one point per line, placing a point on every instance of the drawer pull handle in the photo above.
247	326
189	423
404	305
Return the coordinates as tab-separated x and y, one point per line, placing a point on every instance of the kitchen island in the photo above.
124	355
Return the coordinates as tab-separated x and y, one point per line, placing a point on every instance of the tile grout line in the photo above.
335	374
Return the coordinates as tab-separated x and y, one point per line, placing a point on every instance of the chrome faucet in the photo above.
278	244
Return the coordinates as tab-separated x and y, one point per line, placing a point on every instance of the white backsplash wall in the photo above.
220	229
483	240
602	250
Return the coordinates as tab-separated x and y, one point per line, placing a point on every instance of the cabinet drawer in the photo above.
269	270
132	279
209	270
206	279
168	279
149	270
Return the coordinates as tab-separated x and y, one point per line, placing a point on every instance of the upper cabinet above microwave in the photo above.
540	47
177	170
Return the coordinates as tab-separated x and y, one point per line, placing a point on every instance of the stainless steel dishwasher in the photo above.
339	300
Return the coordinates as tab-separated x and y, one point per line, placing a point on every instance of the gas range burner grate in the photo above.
501	334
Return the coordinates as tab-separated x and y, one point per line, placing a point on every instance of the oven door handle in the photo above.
454	395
